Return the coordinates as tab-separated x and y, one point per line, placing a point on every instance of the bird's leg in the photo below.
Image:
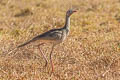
46	61
51	58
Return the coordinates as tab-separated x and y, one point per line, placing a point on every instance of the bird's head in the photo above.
70	12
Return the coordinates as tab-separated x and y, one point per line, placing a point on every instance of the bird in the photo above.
54	36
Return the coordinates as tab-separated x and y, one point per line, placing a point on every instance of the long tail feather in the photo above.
24	44
34	39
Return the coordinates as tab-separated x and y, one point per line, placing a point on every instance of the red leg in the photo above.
46	61
51	58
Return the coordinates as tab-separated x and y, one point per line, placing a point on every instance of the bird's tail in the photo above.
19	47
26	43
15	49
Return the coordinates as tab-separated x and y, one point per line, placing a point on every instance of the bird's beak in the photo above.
75	11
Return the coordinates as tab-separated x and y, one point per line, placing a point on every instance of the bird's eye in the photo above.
69	12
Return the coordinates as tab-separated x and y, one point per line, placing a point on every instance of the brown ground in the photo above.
91	51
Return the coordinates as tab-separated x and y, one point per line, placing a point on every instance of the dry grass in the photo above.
91	49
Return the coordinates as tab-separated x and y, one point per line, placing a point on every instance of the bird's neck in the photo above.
67	22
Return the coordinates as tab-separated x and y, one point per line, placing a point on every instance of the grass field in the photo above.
90	52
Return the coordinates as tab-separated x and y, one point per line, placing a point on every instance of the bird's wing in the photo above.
54	34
